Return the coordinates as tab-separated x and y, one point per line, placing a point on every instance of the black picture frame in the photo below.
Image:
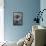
17	18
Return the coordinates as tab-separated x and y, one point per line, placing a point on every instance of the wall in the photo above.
28	7
1	20
43	6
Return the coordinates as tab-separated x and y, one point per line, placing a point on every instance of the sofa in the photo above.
39	37
39	33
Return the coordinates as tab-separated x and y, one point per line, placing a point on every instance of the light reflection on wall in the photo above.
1	21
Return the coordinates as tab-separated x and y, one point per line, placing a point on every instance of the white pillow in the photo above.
21	42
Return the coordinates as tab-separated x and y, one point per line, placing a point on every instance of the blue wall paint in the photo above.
28	7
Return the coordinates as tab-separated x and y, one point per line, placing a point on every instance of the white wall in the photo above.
1	20
43	6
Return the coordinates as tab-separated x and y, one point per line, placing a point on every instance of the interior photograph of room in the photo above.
22	22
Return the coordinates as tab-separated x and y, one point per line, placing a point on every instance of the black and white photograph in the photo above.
17	18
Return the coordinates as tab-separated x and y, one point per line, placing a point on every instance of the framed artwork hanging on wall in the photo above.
17	18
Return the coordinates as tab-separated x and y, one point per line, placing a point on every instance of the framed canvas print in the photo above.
17	18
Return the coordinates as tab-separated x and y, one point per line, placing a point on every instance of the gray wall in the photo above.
28	7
